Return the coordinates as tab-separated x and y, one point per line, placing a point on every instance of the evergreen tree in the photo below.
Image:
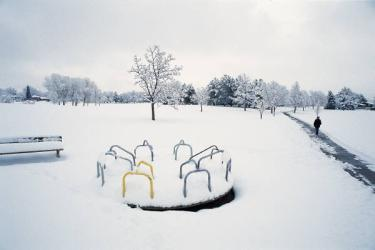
188	93
331	102
346	99
28	93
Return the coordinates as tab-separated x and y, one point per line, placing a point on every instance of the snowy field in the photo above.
352	129
289	195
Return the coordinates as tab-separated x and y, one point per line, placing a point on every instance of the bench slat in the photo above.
30	139
34	151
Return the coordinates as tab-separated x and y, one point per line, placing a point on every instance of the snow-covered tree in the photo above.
306	101
76	91
33	91
9	95
62	89
28	93
275	95
245	94
188	93
331	101
171	94
346	99
154	74
260	99
295	97
318	98
201	97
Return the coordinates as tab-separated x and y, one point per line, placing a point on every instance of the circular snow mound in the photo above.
160	179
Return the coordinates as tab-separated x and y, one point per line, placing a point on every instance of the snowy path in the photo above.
289	195
352	163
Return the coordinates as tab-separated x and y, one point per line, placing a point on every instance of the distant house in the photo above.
365	105
40	98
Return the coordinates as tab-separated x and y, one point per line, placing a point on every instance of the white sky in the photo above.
323	45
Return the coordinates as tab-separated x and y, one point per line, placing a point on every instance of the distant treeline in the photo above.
240	91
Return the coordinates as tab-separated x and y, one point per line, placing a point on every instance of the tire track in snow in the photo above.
353	165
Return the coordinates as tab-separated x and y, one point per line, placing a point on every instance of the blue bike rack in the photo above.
213	152
212	147
187	162
228	169
145	144
100	171
197	171
111	149
177	146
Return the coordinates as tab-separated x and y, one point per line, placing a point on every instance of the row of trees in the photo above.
346	99
155	74
244	92
62	89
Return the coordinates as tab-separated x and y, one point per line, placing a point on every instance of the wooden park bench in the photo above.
22	145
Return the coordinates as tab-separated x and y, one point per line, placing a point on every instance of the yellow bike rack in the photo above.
148	165
137	173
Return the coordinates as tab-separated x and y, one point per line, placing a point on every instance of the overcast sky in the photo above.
323	45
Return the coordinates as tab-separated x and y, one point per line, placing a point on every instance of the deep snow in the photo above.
288	193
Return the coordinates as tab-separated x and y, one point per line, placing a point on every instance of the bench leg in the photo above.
58	153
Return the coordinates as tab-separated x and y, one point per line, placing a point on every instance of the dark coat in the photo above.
317	123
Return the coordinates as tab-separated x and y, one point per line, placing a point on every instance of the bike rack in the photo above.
124	150
148	165
141	174
185	163
228	169
177	146
114	154
204	150
197	171
100	171
145	144
213	152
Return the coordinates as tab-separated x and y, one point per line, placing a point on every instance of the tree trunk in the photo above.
244	107
153	111
201	107
295	109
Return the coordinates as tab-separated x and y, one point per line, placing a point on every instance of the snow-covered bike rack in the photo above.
213	152
178	145
140	174
212	147
197	171
228	169
112	149
145	144
100	171
185	164
169	195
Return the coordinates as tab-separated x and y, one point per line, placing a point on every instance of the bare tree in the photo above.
154	73
275	95
295	96
201	97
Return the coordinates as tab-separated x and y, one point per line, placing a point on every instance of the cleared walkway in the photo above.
353	164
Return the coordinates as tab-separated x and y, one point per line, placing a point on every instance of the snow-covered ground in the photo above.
289	195
352	129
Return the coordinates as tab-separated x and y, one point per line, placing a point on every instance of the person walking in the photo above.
317	124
